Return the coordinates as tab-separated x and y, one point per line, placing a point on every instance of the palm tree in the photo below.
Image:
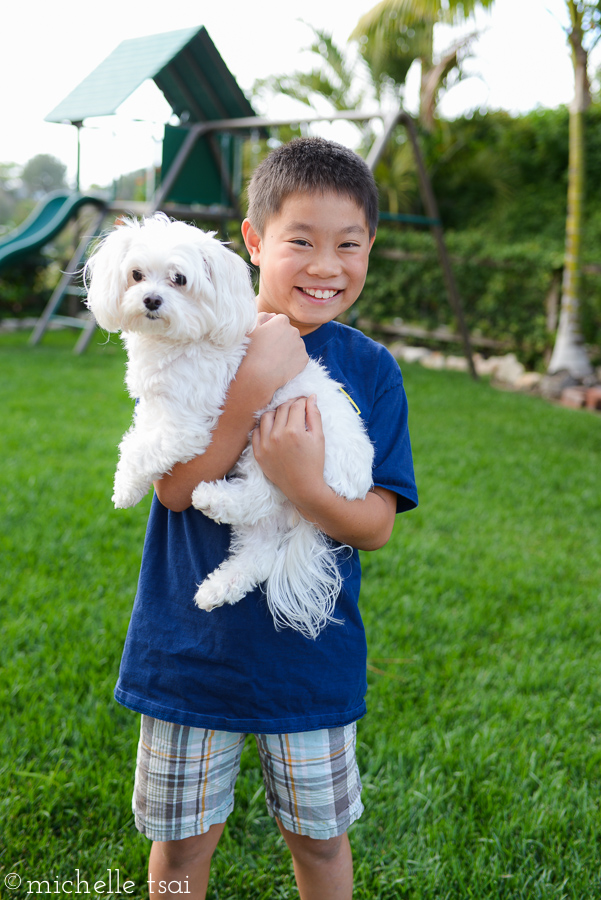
584	31
344	80
336	78
395	33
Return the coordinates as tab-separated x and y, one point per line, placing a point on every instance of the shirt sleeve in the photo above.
389	431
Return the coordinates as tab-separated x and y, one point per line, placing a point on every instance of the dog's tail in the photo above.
304	582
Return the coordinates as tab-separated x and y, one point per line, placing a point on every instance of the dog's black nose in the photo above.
152	302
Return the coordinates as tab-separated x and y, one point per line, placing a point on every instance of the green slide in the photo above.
48	218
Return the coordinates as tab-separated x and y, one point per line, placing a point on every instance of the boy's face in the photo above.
313	258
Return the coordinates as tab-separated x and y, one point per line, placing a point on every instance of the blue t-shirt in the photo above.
229	669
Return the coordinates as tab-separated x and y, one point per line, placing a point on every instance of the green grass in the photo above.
481	750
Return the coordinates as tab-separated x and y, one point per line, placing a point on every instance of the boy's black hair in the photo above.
310	165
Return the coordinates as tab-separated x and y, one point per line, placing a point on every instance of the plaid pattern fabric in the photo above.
312	782
185	779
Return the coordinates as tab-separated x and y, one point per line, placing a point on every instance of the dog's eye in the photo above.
178	279
137	275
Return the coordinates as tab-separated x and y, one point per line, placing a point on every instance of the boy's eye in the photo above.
137	275
349	245
178	279
300	242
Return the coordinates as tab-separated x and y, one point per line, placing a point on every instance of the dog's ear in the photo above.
235	306
103	276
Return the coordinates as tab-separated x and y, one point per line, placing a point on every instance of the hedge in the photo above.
503	288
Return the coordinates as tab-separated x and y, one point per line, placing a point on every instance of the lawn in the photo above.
481	750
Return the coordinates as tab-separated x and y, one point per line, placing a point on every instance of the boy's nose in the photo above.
324	264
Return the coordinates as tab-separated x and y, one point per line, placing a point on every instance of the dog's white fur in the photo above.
185	305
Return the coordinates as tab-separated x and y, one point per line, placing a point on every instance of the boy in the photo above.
202	681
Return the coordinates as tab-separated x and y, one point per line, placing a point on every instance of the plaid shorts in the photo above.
185	779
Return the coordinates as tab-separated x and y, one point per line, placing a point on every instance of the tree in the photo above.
42	174
336	79
8	193
583	33
395	33
344	80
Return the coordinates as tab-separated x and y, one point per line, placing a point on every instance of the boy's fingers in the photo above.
291	414
283	416
297	413
282	319
262	431
313	414
266	422
264	317
256	439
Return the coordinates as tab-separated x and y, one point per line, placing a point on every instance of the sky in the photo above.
520	61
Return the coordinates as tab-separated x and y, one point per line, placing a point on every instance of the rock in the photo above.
10	325
552	386
413	354
529	381
456	364
434	360
397	349
573	397
509	369
593	397
486	366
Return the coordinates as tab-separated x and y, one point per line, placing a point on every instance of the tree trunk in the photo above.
426	108
569	352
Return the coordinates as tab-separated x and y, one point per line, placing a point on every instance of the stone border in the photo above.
508	373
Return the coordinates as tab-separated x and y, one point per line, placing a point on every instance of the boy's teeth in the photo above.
320	295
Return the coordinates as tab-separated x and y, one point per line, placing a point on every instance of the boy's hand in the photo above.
289	446
276	354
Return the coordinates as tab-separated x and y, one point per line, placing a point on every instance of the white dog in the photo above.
185	306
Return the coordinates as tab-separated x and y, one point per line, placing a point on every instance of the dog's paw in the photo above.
208	597
123	497
217	591
209	499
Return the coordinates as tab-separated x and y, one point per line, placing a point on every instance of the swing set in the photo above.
201	171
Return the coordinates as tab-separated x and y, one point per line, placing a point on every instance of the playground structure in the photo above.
201	171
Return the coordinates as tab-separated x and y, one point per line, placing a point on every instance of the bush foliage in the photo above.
501	187
507	174
503	287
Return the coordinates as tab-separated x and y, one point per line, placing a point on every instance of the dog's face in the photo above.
170	280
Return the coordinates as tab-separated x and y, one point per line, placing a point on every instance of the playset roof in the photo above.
185	65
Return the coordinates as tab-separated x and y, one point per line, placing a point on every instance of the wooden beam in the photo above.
431	207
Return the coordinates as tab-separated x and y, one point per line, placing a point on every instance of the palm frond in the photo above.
335	80
337	61
390	47
412	12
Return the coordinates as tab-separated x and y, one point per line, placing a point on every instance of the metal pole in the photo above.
379	145
67	276
77	174
182	155
242	124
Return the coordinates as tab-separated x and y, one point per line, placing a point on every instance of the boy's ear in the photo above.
252	241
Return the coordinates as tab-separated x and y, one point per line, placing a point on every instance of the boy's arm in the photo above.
289	446
276	354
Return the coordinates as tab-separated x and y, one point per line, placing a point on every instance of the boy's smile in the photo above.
313	258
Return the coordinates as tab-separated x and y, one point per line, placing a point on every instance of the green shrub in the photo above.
24	289
503	287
